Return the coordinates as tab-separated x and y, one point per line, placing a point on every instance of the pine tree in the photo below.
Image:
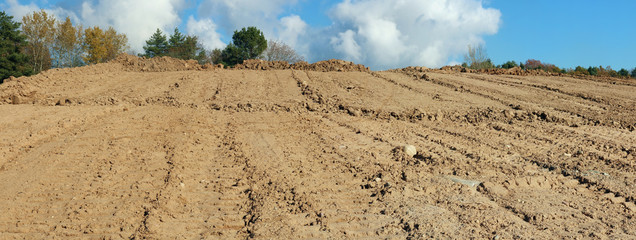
250	41
13	62
157	45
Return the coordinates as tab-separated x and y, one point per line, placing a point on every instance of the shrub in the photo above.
509	64
581	71
593	71
477	58
536	64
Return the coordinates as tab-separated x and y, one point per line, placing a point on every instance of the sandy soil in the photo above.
105	152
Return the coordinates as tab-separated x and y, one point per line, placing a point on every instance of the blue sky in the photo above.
382	34
566	33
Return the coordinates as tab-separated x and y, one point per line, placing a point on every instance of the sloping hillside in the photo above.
166	149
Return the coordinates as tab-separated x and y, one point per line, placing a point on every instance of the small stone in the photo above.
378	179
470	183
409	150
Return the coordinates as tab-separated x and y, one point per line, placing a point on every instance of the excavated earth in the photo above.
167	149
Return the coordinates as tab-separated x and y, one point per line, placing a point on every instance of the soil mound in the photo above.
158	64
333	65
115	151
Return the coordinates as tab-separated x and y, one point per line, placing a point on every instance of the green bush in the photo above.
509	64
593	71
580	70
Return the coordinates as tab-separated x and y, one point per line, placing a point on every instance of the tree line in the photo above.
40	42
477	58
248	43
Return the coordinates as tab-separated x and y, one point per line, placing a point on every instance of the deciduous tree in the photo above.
39	29
102	46
477	58
279	51
67	48
215	56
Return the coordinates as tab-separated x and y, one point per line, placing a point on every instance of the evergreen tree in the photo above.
248	43
176	39
634	73
231	55
191	49
157	45
176	45
593	71
13	62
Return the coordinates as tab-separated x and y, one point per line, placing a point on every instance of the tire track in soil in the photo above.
539	110
610	162
207	193
601	102
41	135
406	226
471	156
288	197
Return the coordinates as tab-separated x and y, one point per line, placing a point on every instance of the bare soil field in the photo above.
166	149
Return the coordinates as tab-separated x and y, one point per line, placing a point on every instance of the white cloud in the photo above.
378	33
410	32
231	15
292	28
137	19
17	10
206	30
347	45
236	14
